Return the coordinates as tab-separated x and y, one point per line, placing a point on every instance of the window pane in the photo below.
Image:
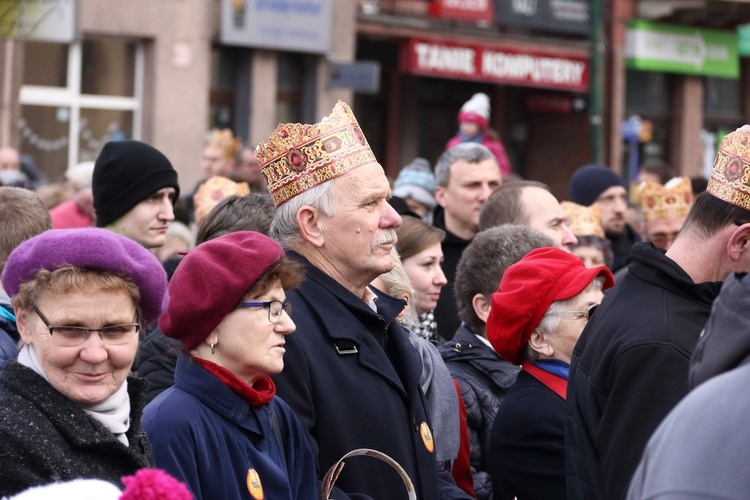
99	126
45	64
108	67
647	92
44	136
723	98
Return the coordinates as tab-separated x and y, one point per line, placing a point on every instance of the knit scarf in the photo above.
113	413
258	394
427	327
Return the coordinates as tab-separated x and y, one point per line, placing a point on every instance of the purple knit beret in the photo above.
211	279
90	248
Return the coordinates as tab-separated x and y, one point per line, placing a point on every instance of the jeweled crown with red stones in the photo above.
584	221
730	176
672	199
299	157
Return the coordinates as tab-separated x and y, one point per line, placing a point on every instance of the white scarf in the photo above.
113	413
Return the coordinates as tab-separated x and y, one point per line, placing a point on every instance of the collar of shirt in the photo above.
369	297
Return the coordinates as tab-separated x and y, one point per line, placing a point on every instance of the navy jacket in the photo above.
484	378
210	437
528	451
352	377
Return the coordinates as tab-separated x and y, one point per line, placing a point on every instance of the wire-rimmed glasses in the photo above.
72	336
584	313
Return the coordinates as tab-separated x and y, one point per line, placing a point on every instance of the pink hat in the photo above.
211	280
528	289
476	110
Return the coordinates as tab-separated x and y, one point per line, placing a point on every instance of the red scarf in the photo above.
558	385
258	395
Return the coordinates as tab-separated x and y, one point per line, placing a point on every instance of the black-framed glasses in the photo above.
71	336
584	313
275	308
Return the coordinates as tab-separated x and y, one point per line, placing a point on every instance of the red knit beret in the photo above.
211	279
528	289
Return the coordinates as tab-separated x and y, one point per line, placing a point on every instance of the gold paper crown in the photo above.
211	192
730	176
584	221
673	199
224	141
298	157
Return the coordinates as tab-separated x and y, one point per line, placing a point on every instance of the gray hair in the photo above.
284	228
470	152
551	319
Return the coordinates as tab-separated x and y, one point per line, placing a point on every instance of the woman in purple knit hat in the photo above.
68	408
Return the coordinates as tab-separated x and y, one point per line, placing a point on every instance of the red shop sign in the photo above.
464	10
495	64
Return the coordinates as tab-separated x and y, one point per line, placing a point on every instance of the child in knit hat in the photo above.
473	126
416	185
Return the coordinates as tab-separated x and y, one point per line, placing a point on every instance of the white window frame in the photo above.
70	96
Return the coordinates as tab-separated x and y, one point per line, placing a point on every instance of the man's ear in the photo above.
311	225
440	194
23	323
481	305
739	242
538	341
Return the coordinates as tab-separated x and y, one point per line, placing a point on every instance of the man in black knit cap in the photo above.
135	188
591	184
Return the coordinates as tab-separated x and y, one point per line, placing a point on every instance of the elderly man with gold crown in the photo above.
630	365
352	376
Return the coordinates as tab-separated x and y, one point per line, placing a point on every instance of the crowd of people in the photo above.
453	333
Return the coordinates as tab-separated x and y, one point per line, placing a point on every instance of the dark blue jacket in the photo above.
210	437
484	378
528	451
352	377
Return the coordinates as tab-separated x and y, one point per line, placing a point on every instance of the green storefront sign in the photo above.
682	49
743	36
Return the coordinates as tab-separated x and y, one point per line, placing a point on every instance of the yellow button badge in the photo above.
424	431
253	485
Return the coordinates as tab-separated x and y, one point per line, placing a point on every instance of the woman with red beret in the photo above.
220	429
538	313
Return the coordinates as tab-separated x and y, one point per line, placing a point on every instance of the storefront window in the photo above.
723	99
77	97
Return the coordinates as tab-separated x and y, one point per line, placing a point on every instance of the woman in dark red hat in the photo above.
538	313
220	428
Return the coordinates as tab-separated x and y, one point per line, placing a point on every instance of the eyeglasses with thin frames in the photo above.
72	336
584	313
275	308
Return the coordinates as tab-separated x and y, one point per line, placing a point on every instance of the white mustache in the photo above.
387	237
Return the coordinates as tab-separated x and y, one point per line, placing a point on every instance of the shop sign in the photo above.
743	40
682	49
557	16
463	10
39	20
293	25
495	64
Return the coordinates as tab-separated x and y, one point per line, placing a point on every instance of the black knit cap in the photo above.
126	173
589	181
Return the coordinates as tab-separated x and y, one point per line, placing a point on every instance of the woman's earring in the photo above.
213	350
